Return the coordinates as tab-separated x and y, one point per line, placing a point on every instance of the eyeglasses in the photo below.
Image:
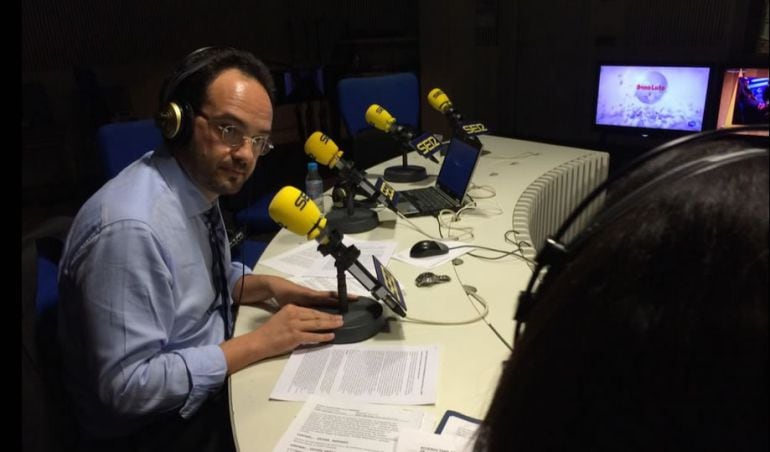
233	136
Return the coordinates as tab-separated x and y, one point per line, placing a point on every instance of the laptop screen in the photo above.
457	168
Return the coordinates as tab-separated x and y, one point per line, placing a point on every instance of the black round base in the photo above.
408	173
363	320
362	220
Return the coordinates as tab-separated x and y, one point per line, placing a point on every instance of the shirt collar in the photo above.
192	199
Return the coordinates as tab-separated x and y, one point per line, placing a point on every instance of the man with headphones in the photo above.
648	329
146	281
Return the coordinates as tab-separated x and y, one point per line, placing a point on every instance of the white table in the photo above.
536	186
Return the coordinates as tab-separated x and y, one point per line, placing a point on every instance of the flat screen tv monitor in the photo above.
744	97
671	98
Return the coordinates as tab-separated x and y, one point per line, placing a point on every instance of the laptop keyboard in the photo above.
429	200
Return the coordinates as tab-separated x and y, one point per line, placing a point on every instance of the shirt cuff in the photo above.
207	370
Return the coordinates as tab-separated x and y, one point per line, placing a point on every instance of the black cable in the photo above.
249	199
500	336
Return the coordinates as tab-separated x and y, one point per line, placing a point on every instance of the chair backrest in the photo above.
47	423
120	143
397	93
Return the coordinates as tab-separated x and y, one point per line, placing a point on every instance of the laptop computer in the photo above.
452	183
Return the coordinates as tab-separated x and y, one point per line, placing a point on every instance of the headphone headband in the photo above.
179	77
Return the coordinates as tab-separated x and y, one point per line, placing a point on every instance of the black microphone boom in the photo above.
467	129
346	258
322	149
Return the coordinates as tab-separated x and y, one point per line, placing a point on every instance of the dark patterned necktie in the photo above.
217	239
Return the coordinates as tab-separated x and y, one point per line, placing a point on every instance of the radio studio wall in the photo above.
87	63
528	68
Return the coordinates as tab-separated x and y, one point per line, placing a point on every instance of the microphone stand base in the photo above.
405	173
363	320
361	220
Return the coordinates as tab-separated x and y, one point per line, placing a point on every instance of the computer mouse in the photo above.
427	248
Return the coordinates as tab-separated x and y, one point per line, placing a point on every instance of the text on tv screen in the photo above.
652	97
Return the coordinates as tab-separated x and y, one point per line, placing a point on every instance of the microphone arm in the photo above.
423	143
462	128
382	192
346	258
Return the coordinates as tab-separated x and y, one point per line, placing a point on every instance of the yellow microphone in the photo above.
323	150
380	118
440	101
468	129
294	210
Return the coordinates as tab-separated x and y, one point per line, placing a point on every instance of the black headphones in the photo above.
555	253
175	116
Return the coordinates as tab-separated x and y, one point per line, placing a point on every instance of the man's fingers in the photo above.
326	322
352	297
333	298
309	317
326	302
316	338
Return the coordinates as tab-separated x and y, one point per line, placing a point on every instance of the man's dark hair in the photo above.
197	71
654	336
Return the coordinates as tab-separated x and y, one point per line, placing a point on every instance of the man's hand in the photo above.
293	326
289	328
260	288
286	292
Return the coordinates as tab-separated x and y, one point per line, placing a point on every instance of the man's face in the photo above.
238	102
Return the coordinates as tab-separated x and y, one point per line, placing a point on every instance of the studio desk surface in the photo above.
536	186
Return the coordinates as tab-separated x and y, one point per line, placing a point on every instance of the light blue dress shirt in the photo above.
138	327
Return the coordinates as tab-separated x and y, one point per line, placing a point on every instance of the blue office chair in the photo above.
397	93
120	144
248	251
253	219
47	422
256	215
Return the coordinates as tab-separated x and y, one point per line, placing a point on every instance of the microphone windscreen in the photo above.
322	149
294	210
379	118
438	100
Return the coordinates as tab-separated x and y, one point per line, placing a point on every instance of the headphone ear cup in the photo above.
175	121
169	120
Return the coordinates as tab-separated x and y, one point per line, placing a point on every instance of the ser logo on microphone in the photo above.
389	282
324	138
387	190
301	201
475	128
428	144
